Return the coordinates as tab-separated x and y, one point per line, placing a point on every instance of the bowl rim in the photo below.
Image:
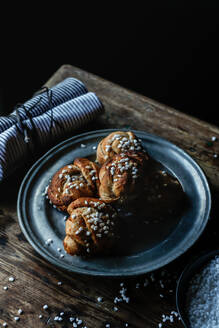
190	269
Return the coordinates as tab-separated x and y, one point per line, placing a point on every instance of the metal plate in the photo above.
39	220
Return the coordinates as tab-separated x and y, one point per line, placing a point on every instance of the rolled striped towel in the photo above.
72	107
66	90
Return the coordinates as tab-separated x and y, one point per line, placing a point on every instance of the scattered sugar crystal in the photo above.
45	191
83	146
152	277
92	172
45	307
99	299
146	282
16	318
107	148
58	318
20	311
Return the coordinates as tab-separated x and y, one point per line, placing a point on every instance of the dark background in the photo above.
165	50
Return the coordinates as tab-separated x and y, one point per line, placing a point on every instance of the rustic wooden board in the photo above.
36	281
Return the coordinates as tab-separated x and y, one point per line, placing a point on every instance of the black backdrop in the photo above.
167	51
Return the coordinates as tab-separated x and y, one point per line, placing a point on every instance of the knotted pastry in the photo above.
73	181
90	228
121	177
116	143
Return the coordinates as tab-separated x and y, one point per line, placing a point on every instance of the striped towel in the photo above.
70	107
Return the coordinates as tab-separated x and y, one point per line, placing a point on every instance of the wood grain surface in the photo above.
150	296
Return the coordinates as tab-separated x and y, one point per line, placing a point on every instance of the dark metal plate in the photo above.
154	248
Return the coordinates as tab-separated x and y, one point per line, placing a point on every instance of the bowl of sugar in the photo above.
197	292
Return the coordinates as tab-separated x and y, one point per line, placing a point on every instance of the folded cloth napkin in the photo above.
66	90
41	120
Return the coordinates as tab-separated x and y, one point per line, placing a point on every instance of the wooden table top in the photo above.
152	295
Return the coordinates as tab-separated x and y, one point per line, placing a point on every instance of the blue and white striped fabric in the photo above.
66	90
73	106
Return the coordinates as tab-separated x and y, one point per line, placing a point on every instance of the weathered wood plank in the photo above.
126	108
36	281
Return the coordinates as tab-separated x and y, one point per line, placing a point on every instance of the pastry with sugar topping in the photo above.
121	177
90	228
116	143
72	181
